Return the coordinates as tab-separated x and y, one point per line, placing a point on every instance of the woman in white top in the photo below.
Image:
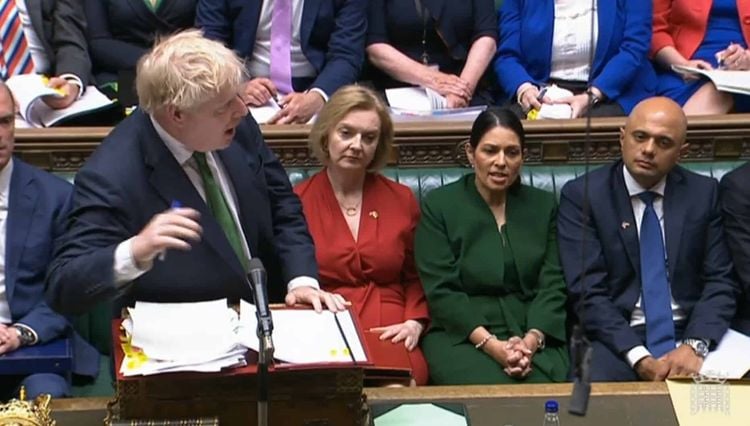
596	49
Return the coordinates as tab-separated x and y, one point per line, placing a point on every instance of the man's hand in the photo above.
9	340
298	108
317	298
173	229
652	369
408	331
259	91
682	362
69	89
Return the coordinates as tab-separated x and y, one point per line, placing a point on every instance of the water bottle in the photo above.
551	417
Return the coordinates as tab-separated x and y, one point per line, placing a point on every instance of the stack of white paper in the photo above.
303	336
168	337
724	80
424	104
729	360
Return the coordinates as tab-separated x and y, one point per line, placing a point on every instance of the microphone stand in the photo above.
265	357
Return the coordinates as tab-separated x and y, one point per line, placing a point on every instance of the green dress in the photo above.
508	281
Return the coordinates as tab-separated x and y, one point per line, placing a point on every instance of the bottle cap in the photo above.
551	406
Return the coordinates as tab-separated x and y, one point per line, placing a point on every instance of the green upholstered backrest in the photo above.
548	177
95	326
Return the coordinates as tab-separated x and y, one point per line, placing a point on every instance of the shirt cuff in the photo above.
124	266
31	330
320	92
636	354
522	88
72	78
302	281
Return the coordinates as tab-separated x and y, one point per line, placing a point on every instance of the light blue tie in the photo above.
656	301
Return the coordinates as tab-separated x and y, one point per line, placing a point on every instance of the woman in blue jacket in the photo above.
551	41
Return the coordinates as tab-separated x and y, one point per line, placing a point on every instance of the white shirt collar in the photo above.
178	149
635	188
5	175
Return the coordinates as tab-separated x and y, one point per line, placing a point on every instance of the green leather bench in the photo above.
95	326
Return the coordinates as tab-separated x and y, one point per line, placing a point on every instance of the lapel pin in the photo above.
625	225
374	214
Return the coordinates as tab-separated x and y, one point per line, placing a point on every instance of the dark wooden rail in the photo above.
712	138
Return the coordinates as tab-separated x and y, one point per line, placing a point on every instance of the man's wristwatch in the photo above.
25	336
700	346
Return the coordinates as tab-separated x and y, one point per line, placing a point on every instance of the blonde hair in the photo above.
345	100
185	70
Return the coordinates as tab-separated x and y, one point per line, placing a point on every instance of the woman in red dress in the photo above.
363	223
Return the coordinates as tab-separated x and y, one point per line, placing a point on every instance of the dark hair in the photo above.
495	117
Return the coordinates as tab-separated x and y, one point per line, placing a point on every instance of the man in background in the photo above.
33	209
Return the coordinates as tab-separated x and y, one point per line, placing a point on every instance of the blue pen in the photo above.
174	205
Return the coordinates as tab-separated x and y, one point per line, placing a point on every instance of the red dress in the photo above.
377	272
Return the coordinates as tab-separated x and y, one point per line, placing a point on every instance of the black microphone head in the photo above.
255	264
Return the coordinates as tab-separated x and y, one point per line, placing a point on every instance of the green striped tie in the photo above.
219	207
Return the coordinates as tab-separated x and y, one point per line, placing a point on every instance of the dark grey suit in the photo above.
61	26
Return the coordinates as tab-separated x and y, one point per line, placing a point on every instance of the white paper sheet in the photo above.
730	359
303	336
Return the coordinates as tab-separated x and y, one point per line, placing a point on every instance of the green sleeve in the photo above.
450	307
547	309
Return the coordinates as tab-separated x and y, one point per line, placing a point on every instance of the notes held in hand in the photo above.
169	337
555	111
425	104
29	89
302	336
724	80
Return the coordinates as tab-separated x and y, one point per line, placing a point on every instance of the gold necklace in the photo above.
350	210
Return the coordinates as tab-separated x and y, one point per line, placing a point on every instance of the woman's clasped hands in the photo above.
514	354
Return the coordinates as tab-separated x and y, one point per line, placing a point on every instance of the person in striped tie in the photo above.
46	37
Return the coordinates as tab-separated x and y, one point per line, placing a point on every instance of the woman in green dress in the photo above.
486	251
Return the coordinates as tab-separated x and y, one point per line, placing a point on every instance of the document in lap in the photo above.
55	356
730	358
29	89
425	104
724	80
303	336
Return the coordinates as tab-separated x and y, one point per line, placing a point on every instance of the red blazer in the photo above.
377	271
682	24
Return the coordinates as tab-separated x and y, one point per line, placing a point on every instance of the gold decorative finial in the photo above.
20	412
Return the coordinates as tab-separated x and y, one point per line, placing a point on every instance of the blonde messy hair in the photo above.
345	100
185	70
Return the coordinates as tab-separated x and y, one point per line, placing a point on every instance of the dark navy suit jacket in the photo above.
332	34
37	210
699	264
131	177
621	69
735	204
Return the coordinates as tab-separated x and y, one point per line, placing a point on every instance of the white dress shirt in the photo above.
637	317
571	40
5	174
124	265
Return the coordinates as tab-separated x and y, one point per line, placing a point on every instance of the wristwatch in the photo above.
25	336
700	346
594	98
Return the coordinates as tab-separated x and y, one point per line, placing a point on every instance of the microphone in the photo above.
581	360
257	281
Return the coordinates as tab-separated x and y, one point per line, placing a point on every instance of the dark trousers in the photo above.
608	366
35	384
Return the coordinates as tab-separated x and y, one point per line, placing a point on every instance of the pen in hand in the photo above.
174	205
